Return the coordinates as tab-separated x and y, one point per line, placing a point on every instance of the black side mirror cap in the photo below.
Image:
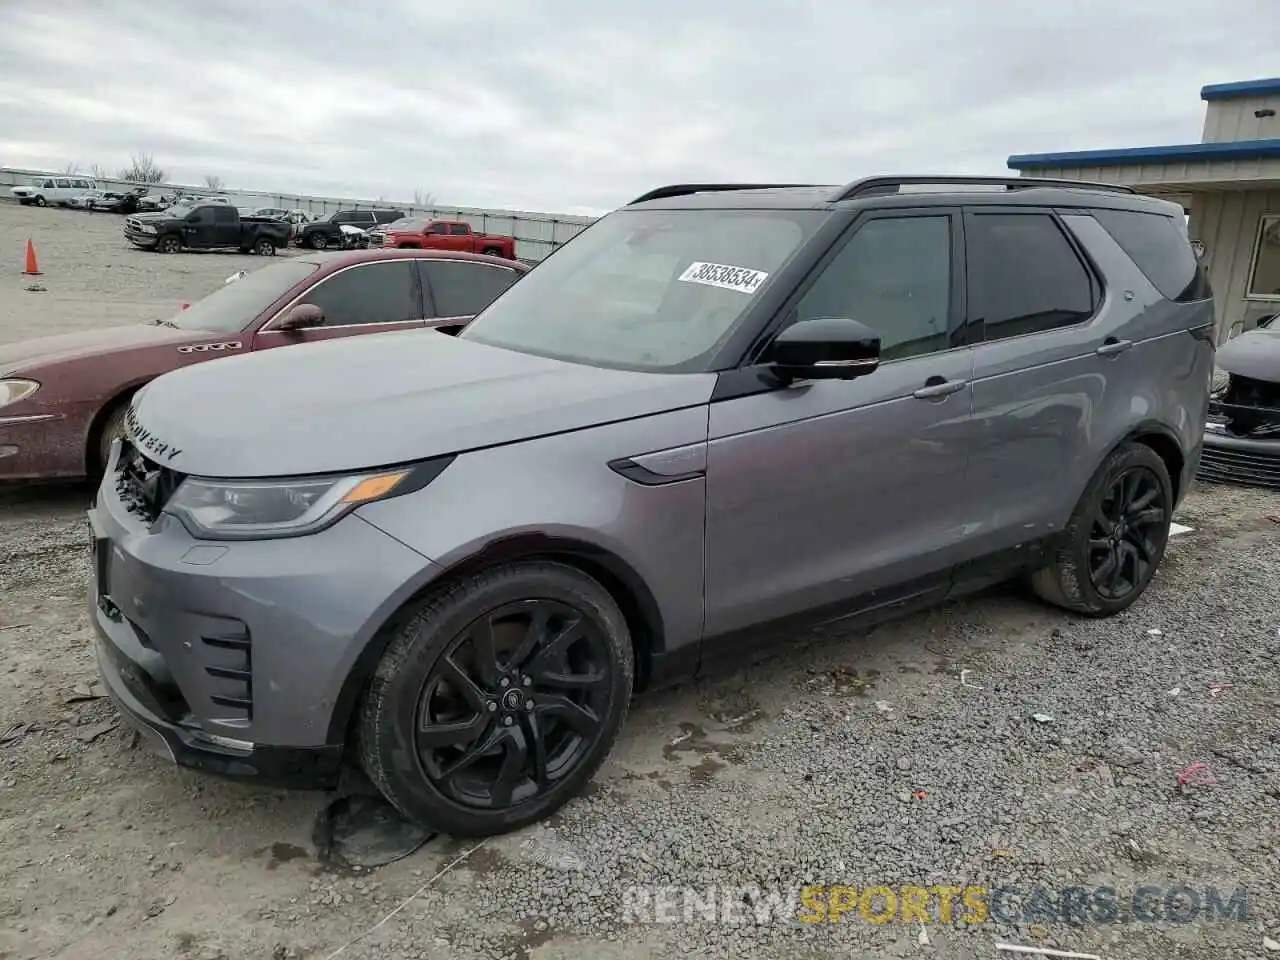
824	348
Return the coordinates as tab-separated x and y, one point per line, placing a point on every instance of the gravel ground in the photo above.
907	756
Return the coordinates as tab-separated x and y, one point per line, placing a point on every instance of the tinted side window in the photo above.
371	293
63	183
894	275
463	289
223	214
343	216
1024	276
1161	250
459	230
438	228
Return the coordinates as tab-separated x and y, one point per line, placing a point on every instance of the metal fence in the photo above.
536	234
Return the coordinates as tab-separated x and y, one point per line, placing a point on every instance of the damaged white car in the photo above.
1242	437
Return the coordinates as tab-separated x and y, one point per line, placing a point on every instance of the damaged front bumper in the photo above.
1242	435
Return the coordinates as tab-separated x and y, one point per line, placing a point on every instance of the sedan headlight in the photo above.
272	509
11	391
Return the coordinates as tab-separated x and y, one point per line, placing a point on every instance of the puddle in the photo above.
283	853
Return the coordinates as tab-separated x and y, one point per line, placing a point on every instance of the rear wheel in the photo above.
264	248
318	241
497	698
1116	537
491	252
168	244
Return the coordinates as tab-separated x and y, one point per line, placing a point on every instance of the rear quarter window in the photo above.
1161	249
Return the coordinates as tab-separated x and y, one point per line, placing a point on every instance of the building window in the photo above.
1264	277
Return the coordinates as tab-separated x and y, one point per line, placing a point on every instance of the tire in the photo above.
1076	577
491	252
411	682
318	241
168	244
264	248
112	426
40	201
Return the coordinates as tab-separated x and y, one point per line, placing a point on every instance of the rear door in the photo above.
1039	385
457	290
370	297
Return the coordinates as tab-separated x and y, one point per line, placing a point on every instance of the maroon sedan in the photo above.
63	398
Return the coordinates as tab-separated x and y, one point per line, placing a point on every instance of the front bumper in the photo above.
140	238
235	658
1231	459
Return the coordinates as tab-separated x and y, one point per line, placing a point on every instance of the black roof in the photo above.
914	191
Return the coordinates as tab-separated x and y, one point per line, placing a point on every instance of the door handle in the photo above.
935	388
1111	346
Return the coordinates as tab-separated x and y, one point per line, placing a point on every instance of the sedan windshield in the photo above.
653	290
234	305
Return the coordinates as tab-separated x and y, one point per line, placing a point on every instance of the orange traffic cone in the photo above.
33	269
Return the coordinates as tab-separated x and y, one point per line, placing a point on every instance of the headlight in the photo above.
11	391
271	509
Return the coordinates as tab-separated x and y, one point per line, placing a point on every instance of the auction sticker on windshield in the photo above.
725	276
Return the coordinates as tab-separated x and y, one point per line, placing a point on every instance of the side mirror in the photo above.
824	348
302	317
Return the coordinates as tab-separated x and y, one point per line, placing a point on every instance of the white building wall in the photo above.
1226	120
1227	223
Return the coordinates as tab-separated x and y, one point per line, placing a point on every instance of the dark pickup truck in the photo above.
327	234
205	227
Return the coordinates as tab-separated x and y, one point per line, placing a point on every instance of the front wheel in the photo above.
497	698
318	241
1116	537
40	202
168	244
491	252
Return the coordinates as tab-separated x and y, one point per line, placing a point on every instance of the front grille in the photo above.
1225	465
143	485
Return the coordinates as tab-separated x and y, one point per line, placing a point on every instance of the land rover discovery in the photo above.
719	413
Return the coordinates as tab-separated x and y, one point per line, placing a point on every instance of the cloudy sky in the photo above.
579	105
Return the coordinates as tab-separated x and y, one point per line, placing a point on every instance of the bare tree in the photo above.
71	168
422	198
142	169
99	172
214	183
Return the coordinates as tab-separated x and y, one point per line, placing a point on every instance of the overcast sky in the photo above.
579	105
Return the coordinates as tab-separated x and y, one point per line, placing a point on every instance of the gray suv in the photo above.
719	414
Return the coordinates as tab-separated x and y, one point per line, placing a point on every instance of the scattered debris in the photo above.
1273	518
964	681
1175	691
680	739
923	937
920	794
1155	632
1175	529
13	626
36	288
884	707
14	734
1046	952
361	829
93	732
85	691
1042	717
1217	688
745	718
1271	945
158	906
1195	775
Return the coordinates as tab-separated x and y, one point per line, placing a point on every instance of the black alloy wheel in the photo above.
1126	537
513	704
497	697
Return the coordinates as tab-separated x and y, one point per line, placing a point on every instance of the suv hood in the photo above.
16	358
379	400
1255	354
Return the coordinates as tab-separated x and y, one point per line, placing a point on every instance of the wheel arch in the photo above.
1161	438
619	578
121	397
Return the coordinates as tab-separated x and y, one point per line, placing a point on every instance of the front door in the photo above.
370	297
833	490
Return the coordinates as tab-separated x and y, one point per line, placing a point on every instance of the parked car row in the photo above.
721	415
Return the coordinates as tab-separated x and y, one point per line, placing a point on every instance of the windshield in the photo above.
407	223
646	289
232	307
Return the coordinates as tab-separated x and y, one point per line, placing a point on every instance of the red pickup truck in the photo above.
420	234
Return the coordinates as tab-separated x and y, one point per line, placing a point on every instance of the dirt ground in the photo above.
994	742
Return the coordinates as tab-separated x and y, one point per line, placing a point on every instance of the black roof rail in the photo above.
685	189
876	186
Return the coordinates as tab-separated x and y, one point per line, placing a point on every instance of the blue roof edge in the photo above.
1130	156
1241	88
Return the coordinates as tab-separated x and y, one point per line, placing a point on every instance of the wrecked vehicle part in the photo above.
1242	436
